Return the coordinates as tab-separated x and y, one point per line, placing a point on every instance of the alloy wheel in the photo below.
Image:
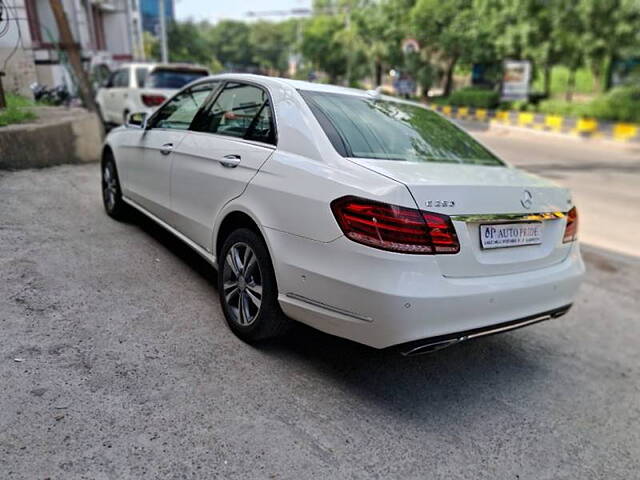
109	187
242	284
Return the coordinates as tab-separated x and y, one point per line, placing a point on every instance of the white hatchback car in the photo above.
364	216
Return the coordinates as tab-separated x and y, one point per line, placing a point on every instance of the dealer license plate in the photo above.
510	235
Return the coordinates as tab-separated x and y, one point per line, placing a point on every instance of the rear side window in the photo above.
365	127
242	111
141	76
172	78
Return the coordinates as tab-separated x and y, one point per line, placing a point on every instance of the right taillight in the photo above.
571	230
152	100
395	228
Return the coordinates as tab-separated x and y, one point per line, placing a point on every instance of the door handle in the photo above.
166	149
230	161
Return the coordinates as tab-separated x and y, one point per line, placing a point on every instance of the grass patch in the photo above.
585	83
17	110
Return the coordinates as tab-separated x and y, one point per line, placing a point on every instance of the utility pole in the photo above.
69	46
3	101
347	24
3	30
164	51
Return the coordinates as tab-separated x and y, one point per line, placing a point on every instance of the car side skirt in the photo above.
198	249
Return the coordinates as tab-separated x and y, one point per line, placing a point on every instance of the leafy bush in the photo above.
16	111
517	105
622	104
439	100
475	97
561	107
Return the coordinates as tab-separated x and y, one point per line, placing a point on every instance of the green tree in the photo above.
611	31
187	43
322	46
230	43
546	32
150	46
272	43
452	30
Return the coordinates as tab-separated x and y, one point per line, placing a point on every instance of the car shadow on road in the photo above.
462	377
174	246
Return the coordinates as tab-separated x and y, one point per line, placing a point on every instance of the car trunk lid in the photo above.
475	195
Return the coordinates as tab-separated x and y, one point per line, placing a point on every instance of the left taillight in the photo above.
571	230
153	100
395	228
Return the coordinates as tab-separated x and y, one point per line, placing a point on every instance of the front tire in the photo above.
247	288
111	192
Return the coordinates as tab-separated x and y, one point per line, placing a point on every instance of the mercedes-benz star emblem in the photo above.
527	199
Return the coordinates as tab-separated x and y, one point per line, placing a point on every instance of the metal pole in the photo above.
348	28
163	32
3	100
73	53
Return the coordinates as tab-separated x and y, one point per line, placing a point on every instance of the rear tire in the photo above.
247	288
111	191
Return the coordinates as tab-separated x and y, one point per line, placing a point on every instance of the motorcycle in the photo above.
58	95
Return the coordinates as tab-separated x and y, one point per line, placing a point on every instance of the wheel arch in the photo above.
233	219
107	152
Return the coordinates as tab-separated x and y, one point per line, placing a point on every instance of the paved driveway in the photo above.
115	363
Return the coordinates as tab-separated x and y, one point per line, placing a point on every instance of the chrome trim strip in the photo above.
506	328
501	217
331	308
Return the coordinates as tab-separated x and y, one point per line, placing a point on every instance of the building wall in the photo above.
20	71
117	33
37	59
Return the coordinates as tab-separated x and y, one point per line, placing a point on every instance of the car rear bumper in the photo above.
383	299
429	345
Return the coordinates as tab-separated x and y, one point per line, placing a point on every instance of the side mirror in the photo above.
137	120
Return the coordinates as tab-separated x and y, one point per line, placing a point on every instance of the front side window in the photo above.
180	111
242	111
364	127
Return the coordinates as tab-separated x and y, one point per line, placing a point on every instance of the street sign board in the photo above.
516	78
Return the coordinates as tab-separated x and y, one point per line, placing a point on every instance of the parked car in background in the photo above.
364	216
142	87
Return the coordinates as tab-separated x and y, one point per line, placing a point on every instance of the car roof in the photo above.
296	84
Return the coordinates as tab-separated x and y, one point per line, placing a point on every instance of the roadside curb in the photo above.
558	124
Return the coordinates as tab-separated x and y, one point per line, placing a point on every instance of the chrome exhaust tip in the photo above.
431	347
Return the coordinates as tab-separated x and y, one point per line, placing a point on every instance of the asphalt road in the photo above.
115	361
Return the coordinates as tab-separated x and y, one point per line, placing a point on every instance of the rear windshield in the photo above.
372	128
166	78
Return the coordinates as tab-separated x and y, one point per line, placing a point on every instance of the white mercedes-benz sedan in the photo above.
365	216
